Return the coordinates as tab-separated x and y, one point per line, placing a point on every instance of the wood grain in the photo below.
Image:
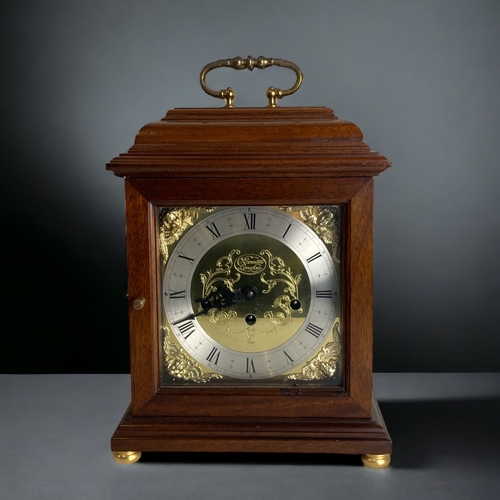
273	143
283	156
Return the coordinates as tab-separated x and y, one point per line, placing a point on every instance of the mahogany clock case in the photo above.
255	157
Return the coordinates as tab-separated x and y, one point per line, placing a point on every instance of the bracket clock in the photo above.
249	251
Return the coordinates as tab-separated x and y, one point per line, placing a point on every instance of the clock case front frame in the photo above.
259	157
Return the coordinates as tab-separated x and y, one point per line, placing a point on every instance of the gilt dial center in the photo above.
264	276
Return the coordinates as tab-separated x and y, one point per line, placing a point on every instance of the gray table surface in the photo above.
55	432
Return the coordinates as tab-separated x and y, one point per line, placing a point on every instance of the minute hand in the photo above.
191	316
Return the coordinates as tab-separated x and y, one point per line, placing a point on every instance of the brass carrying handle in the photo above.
273	94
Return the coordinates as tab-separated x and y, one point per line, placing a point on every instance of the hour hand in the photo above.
225	297
222	297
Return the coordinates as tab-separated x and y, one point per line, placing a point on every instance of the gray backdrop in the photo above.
420	78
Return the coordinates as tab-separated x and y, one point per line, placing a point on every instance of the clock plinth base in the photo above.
359	436
376	461
127	457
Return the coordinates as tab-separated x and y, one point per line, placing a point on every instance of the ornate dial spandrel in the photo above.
251	294
180	366
174	222
326	364
324	221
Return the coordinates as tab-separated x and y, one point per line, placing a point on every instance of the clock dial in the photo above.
249	292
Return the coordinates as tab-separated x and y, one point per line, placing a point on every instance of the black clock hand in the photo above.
191	316
224	297
221	298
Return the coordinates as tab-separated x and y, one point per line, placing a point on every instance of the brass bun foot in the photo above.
376	461
126	457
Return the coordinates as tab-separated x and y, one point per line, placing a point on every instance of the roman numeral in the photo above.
213	357
250	366
213	229
287	229
288	358
250	221
314	257
314	330
323	294
189	259
187	329
177	295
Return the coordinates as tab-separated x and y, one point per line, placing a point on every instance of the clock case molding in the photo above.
251	156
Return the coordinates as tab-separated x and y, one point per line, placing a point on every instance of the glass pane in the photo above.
250	296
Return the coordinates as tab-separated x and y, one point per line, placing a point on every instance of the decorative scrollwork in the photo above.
251	331
180	366
326	364
221	275
280	274
173	223
221	317
226	274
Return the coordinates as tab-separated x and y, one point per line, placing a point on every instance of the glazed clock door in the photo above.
250	296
